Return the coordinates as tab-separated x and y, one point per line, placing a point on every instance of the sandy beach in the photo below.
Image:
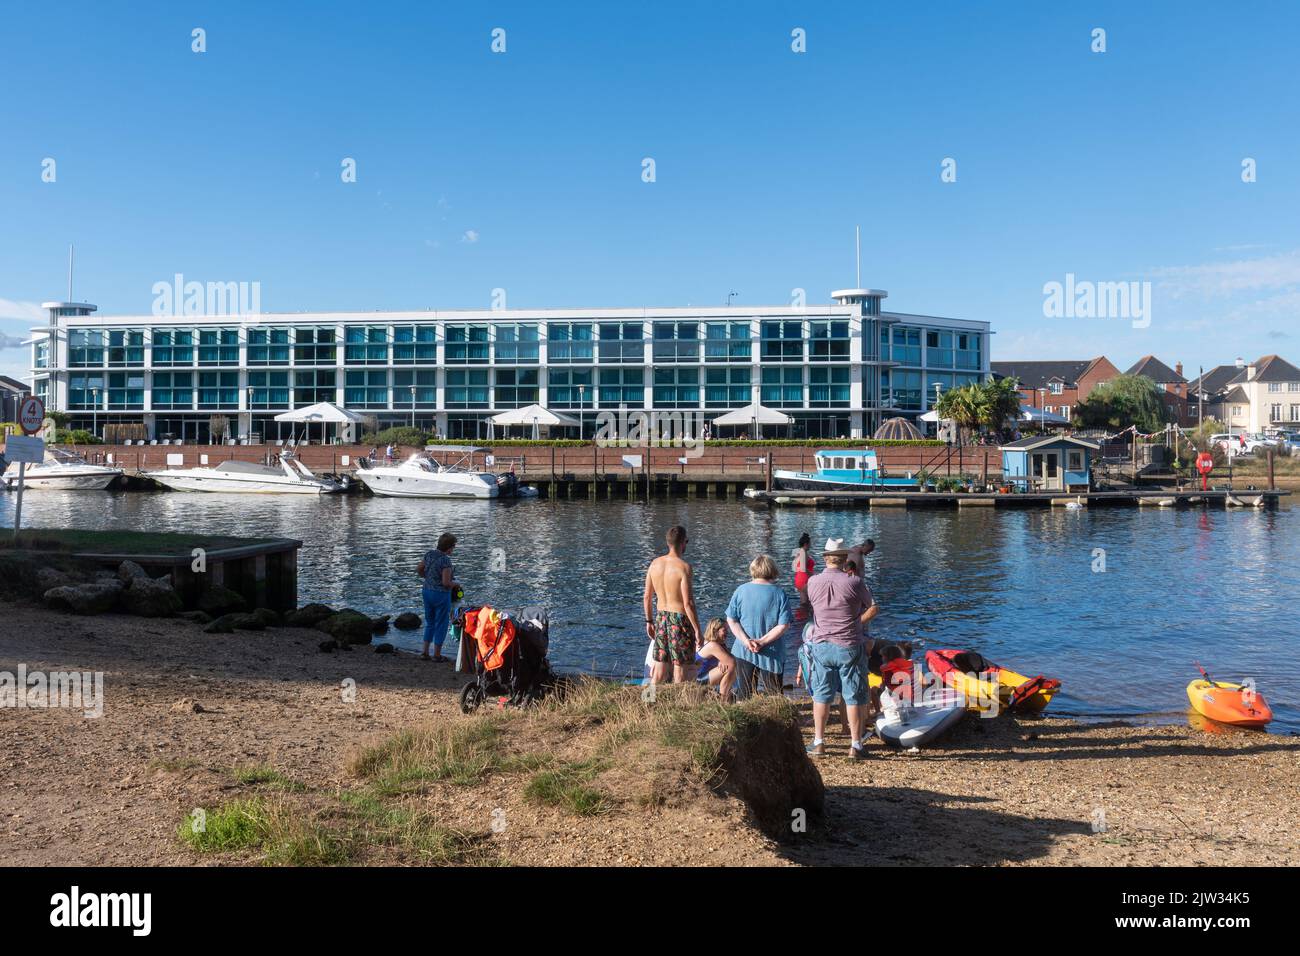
184	711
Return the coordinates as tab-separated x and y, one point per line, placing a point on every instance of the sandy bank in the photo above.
112	790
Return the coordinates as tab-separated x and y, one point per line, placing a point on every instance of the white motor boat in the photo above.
290	477
423	476
63	471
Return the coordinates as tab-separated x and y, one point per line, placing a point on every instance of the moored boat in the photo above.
63	471
424	476
245	477
843	469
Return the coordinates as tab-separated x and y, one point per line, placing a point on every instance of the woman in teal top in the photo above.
758	614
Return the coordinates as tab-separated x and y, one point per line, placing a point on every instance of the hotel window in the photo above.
315	347
727	342
782	386
268	389
781	341
1074	461
125	347
968	350
938	349
569	388
315	385
1293	386
426	388
727	387
467	345
884	343
126	391
676	342
622	386
1056	388
1275	386
828	386
1295	413
218	390
85	348
621	342
82	389
517	344
569	342
901	388
41	354
516	387
173	347
172	390
467	388
365	345
1275	412
268	347
415	345
218	347
871	305
677	388
365	389
906	348
828	341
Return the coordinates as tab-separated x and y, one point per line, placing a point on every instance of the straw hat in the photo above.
835	546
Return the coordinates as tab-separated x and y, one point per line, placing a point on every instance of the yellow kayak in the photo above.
988	687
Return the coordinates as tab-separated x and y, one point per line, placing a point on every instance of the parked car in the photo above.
1234	446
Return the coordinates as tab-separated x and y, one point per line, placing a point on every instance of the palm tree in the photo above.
979	405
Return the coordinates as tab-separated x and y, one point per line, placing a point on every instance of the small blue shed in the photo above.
1049	462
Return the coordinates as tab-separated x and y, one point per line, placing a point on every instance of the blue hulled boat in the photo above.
843	469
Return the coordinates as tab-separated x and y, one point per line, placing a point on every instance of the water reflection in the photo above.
1020	586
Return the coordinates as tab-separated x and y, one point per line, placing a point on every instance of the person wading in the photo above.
670	618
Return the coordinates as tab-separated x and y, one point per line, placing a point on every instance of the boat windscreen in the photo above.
247	468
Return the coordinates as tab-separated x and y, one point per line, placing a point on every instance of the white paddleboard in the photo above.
918	725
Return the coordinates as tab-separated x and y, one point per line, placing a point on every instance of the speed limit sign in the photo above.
31	415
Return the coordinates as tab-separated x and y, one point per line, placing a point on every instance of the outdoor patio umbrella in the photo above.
534	415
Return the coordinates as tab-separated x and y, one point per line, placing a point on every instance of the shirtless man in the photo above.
669	605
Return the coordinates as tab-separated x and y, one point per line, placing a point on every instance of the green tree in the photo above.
980	405
1123	401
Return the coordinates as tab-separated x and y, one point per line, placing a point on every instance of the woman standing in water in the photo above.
435	568
803	566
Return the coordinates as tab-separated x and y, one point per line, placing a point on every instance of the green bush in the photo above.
75	436
398	435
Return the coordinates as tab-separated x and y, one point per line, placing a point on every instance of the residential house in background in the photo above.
12	393
1171	382
1269	390
1250	397
1212	395
1056	386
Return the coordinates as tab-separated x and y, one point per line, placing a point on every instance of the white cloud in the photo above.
1228	278
24	311
471	235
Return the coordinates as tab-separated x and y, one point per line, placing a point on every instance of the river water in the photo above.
1021	587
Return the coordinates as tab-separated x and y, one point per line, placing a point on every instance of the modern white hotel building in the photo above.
837	370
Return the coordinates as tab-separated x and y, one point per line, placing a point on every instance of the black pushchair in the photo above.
506	651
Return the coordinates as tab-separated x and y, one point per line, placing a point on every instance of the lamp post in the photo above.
1042	407
938	390
413	405
582	403
249	433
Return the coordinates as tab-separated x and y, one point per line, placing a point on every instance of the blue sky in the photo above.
522	170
